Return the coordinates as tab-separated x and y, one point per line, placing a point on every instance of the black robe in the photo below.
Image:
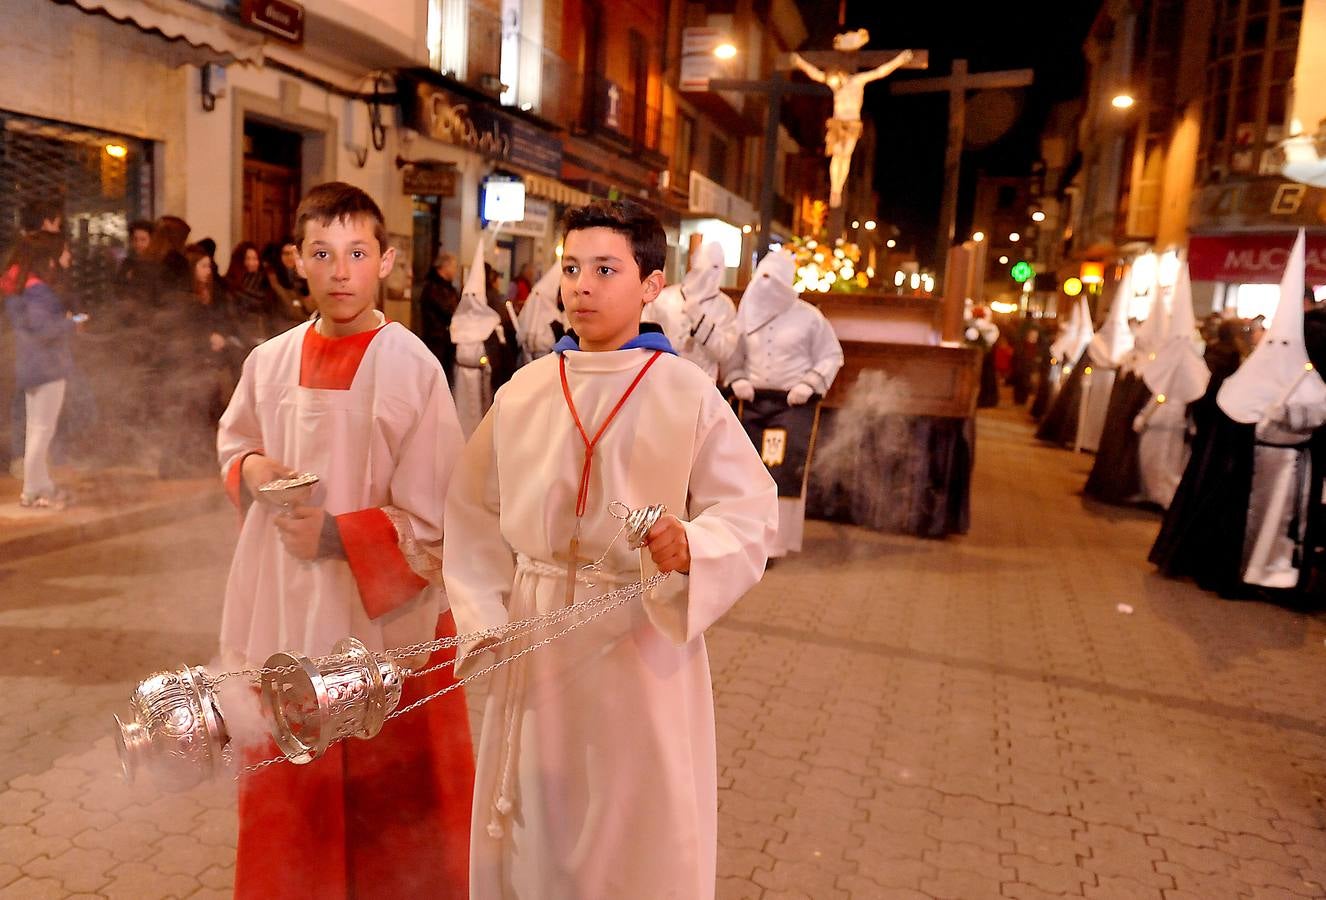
1060	424
1115	476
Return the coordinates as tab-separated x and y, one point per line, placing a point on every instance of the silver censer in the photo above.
311	704
174	730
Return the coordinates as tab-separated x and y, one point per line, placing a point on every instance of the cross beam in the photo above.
957	84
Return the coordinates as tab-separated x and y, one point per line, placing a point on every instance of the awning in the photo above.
1252	258
554	190
217	39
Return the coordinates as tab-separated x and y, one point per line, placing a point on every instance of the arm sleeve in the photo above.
827	354
239	434
43	317
395	551
736	367
477	563
716	331
733	510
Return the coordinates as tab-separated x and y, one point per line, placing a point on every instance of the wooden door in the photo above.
271	195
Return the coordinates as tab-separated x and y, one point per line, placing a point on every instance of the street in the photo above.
1026	711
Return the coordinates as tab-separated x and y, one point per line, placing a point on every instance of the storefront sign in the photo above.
437	181
480	127
537	222
1252	258
279	17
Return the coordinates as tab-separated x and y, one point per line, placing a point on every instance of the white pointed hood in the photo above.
474	319
1278	369
702	282
1115	338
1082	337
770	292
1178	371
540	311
1066	338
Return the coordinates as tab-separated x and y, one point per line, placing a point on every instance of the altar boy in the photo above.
596	771
363	404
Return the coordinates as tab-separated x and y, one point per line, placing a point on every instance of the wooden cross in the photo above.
957	84
573	561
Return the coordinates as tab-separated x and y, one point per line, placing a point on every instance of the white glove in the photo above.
742	389
799	394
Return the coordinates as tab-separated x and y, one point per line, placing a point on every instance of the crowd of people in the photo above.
163	349
1215	424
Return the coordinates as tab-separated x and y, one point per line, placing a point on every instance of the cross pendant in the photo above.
573	561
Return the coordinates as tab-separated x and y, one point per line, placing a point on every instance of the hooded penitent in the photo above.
534	323
474	319
1175	374
697	317
471	325
1178	371
1278	389
770	292
1106	350
1277	374
1114	340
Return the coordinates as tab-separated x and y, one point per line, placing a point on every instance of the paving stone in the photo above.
816	881
1250	846
218	878
139	881
19	844
9	873
27	888
1118	887
1048	877
20	806
1259	873
737	889
961	884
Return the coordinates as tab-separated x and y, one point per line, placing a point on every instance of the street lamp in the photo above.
1122	101
1014	237
1038	216
870	224
978	236
725	50
890	243
856	223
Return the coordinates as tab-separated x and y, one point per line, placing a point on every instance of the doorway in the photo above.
273	177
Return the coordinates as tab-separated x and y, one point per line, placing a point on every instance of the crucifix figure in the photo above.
848	85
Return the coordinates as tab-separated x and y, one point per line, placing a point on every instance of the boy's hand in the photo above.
257	470
669	546
300	530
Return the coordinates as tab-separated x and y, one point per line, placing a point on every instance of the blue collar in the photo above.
646	340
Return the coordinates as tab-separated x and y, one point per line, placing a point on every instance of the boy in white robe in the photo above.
597	771
786	358
363	404
697	317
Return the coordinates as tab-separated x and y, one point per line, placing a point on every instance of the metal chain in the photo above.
616	598
516	628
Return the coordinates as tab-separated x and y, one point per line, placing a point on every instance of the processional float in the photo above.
175	730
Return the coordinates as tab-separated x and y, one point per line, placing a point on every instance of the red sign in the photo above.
1252	258
279	17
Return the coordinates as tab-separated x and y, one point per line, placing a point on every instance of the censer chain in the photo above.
606	603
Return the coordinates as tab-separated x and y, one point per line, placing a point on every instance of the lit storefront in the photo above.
1246	268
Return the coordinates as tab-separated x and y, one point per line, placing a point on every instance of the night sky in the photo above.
1045	35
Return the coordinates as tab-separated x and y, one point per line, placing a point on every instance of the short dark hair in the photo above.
336	201
37	212
141	225
649	245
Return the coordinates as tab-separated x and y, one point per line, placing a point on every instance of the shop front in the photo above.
1245	269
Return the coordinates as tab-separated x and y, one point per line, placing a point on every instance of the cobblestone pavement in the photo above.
897	718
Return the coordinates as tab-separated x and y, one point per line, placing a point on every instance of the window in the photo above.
717	159
684	153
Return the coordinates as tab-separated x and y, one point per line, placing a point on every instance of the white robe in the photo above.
796	345
389	442
603	741
705	332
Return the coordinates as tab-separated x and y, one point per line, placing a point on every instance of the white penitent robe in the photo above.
1162	452
596	772
383	444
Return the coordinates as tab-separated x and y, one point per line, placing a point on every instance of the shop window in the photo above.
104	180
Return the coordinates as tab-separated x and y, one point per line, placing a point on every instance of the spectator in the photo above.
437	301
43	357
36	216
289	289
503	350
133	269
250	297
522	285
